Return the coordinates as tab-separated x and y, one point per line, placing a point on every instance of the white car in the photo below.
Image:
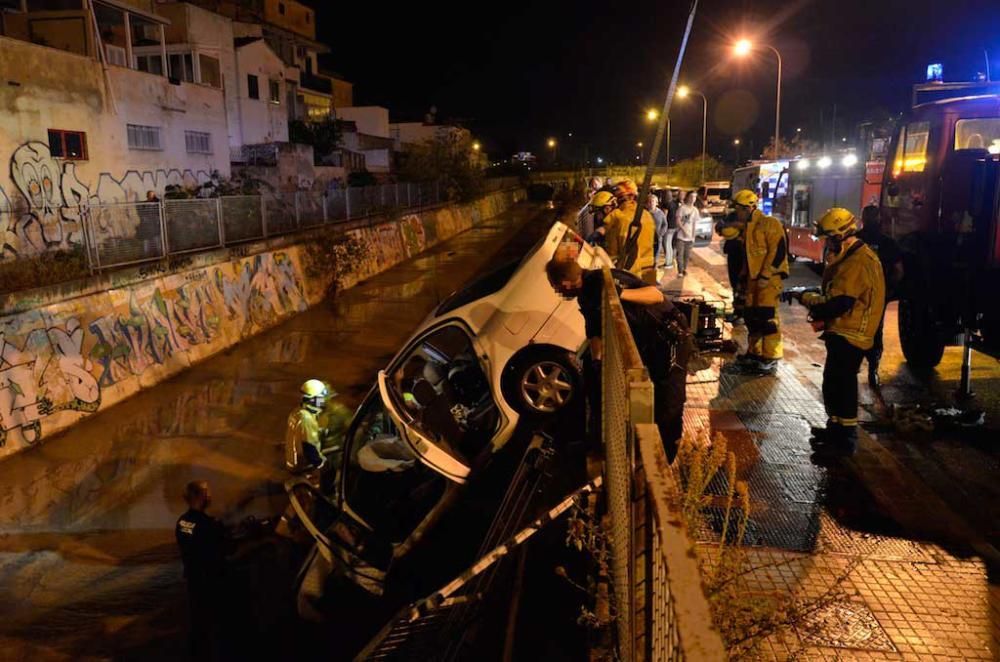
503	348
704	226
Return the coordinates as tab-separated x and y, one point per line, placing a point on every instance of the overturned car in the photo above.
501	351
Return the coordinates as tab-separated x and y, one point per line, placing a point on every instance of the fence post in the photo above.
396	189
263	215
87	247
347	202
437	191
326	201
298	224
218	221
164	242
409	195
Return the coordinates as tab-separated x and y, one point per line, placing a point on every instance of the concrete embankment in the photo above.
71	350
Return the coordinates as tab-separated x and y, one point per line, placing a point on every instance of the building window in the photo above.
144	137
253	87
152	64
198	142
68	144
181	67
274	88
281	8
210	72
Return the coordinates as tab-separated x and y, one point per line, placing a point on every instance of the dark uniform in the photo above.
664	343
889	256
202	541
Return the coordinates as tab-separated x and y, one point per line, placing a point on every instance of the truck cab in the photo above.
939	199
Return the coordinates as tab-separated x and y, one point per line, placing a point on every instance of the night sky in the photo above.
517	73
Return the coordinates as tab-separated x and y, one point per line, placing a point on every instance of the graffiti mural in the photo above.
54	204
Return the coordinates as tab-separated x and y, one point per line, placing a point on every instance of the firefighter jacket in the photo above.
766	247
617	224
303	430
852	299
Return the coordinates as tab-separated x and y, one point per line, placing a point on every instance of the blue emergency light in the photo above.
935	72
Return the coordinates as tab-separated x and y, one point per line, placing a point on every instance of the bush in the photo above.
448	159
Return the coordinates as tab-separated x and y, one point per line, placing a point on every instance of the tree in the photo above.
447	158
791	148
688	172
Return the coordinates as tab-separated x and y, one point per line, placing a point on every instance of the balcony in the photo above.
315	83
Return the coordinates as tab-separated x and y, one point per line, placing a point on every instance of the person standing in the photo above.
673	203
661	333
619	227
687	221
149	226
202	542
891	259
660	225
848	311
763	271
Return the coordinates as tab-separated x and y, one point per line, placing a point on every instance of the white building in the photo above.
263	116
367	133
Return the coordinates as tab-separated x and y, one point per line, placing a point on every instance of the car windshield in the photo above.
384	483
440	389
479	288
721	193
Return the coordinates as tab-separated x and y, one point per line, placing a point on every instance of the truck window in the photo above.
911	150
981	133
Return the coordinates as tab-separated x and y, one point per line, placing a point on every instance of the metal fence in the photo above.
661	609
127	233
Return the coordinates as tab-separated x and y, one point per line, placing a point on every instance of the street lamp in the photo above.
652	115
683	92
742	48
476	147
552	143
736	144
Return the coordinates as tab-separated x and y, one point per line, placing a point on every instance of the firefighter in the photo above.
616	230
848	311
731	230
590	223
316	428
764	268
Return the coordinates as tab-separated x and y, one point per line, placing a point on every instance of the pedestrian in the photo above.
660	331
203	545
761	279
891	259
687	222
848	311
148	231
619	228
660	225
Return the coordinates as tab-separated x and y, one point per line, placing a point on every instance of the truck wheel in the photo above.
541	382
923	347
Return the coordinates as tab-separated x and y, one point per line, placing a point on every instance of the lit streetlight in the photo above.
742	48
476	146
652	115
552	143
683	92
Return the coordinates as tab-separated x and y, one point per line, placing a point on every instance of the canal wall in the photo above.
71	350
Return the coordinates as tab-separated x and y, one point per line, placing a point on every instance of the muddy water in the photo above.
88	564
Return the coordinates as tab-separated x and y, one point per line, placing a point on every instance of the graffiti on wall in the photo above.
47	369
51	204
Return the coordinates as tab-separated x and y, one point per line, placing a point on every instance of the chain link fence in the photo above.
661	612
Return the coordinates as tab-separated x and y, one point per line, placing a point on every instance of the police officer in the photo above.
764	268
848	311
316	428
202	541
661	335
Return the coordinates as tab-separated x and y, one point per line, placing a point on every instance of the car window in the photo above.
479	288
441	387
384	483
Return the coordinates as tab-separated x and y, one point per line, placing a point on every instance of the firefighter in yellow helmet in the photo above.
315	430
616	230
765	266
847	310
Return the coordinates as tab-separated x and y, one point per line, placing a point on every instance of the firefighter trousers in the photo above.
761	315
840	380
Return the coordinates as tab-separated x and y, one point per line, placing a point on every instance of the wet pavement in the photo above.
88	563
891	552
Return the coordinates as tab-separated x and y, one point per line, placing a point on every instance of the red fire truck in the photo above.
941	199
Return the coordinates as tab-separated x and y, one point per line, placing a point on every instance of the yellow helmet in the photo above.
837	223
626	187
602	199
746	198
729	232
314	388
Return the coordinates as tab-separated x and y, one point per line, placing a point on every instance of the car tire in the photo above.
922	345
542	381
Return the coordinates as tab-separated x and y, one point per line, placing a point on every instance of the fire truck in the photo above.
940	198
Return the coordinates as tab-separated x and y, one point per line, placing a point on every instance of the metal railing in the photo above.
660	606
127	233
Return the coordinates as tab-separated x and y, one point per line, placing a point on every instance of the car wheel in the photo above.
542	383
922	346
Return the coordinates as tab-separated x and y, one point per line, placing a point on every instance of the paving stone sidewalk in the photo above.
844	539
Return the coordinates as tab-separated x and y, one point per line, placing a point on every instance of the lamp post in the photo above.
683	92
552	145
742	48
736	145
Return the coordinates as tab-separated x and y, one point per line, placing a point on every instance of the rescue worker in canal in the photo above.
848	311
764	268
316	428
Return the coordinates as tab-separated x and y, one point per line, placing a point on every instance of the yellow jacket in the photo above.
853	298
766	247
617	223
303	428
